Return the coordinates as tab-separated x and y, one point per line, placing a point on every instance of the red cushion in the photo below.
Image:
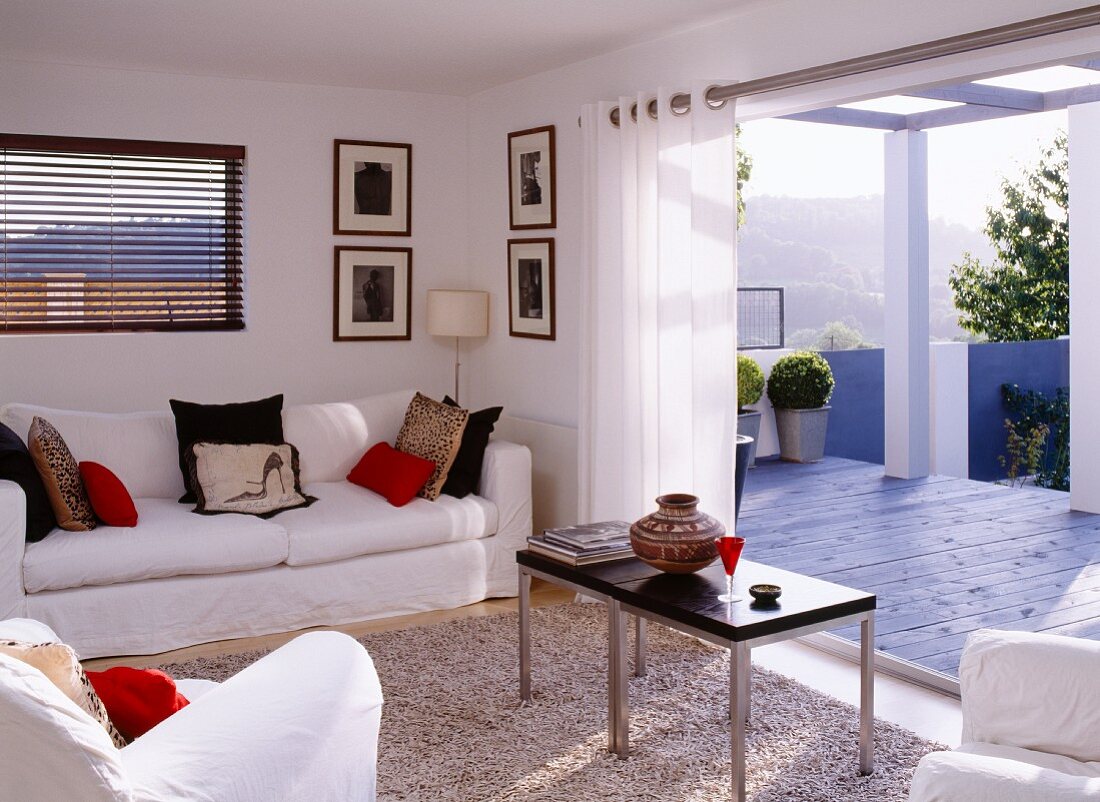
110	499
136	699
391	473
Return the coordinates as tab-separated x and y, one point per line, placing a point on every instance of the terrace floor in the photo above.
945	556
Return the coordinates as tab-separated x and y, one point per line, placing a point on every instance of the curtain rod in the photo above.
1063	22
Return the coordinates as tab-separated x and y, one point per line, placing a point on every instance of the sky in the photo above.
966	163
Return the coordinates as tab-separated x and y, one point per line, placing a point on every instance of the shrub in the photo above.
750	381
802	380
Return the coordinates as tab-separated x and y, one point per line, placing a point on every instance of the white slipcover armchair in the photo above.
299	724
1031	723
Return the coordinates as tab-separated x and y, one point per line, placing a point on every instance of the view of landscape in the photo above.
813	219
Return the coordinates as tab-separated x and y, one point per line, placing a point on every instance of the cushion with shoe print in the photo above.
255	479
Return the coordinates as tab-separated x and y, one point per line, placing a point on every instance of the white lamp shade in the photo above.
458	313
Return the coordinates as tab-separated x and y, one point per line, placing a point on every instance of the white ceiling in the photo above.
444	46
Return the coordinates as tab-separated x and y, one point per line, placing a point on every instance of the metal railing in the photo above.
760	317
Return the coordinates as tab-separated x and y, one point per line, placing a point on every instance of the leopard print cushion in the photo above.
61	666
432	431
61	476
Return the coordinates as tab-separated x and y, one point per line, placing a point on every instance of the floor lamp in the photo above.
458	314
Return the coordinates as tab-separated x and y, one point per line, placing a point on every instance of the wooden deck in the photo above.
945	556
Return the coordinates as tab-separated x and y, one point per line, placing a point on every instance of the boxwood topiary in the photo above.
802	380
750	381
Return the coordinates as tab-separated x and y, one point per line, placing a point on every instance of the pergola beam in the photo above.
858	118
983	95
956	115
1009	103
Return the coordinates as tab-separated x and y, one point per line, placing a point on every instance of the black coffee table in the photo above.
689	603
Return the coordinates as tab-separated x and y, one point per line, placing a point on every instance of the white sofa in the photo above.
178	578
300	723
1031	723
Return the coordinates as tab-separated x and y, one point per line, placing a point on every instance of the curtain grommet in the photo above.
651	109
679	112
721	104
614	117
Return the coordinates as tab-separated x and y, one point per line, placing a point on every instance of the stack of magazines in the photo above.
585	544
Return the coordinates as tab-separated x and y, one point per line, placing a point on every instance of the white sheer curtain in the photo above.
658	308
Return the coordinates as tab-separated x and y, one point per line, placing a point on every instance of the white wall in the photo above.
537	379
288	131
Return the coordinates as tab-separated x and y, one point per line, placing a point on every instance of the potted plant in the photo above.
750	386
799	388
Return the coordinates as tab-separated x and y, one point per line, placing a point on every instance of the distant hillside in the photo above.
827	252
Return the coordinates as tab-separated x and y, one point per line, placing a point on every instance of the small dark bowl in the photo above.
766	594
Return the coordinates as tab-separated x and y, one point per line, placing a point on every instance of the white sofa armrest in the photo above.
1035	691
957	776
506	481
13	543
301	723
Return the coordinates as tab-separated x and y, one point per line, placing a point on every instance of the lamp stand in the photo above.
457	366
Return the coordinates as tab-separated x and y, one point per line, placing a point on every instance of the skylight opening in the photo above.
1047	79
899	104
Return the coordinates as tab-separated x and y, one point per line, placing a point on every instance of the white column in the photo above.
906	254
950	409
1084	300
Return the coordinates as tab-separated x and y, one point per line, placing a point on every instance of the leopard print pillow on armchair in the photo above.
61	477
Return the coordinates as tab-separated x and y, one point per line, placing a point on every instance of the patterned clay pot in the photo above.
677	538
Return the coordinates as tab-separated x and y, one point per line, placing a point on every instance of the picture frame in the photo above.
532	181
531	288
372	293
372	188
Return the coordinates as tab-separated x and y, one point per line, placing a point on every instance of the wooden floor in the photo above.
945	556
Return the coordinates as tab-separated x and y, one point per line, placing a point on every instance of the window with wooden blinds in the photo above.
119	235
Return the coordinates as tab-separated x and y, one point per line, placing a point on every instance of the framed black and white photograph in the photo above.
372	293
372	188
531	178
531	288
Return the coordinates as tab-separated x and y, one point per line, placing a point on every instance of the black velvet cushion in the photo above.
465	475
17	466
239	424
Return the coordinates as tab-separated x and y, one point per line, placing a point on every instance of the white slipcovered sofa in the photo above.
300	723
1031	723
178	578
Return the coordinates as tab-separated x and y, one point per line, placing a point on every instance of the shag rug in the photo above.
453	727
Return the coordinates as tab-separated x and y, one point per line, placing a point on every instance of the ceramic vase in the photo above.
678	537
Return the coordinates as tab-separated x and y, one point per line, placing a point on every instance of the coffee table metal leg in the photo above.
524	636
640	646
746	681
867	695
739	666
618	697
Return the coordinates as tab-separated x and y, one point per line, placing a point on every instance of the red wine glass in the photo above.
729	548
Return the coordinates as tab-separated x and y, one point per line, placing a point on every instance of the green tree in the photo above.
1024	293
744	172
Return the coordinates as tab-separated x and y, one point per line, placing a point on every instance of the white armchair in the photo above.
1031	723
301	723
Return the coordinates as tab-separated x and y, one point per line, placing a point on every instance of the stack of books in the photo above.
585	544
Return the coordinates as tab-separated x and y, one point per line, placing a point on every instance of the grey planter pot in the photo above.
801	433
748	424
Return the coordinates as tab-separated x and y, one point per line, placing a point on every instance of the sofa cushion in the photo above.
60	476
169	540
251	479
243	422
432	431
110	499
1042	760
140	447
332	437
349	520
17	466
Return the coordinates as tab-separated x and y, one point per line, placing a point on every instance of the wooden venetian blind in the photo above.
117	235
